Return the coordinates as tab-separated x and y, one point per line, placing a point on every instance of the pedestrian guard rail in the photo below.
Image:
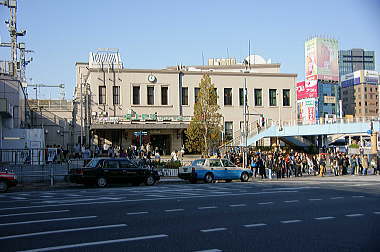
51	173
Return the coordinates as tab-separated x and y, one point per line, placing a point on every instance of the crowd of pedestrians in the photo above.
281	164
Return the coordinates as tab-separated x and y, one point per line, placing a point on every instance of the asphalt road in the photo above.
314	214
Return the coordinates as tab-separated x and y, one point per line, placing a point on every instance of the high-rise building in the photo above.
354	60
318	95
360	93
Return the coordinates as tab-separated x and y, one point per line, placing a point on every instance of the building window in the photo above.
286	97
136	96
196	93
272	97
102	94
116	95
150	95
241	96
164	95
228	129
258	93
185	96
227	96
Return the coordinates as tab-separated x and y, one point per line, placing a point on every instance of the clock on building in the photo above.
151	78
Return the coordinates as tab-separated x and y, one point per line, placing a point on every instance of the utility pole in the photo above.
245	124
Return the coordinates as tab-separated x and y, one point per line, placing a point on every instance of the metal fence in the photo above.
51	173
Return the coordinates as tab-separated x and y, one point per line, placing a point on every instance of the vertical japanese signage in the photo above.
307	110
308	88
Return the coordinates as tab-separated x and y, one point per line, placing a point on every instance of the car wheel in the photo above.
3	186
228	180
150	180
244	177
101	182
209	178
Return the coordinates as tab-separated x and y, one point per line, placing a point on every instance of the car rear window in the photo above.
198	162
93	163
227	163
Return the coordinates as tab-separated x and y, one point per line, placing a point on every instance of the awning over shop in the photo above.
141	126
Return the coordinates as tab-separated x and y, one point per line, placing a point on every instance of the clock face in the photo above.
151	78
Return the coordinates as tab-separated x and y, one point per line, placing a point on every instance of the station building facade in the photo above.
119	106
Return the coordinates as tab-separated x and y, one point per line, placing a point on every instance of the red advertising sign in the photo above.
308	88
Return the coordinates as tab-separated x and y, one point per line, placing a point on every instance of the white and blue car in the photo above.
212	169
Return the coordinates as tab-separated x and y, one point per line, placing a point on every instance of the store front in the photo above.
164	140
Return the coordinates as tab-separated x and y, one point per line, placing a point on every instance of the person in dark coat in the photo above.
261	166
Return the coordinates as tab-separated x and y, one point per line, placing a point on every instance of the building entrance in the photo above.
162	142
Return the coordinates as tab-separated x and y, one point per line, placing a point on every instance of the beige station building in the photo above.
113	104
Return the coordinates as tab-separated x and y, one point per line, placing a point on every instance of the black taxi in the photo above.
105	171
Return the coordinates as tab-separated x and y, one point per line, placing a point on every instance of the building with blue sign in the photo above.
360	93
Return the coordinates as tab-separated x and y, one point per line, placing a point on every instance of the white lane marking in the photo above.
136	213
238	205
265	203
209	250
175	210
68	200
362	184
291	201
314	199
336	197
291	188
155	195
213	230
207	207
58	211
325	218
24	194
376	212
61	231
142	200
354	215
78	245
358	196
255	225
290	221
46	220
18	198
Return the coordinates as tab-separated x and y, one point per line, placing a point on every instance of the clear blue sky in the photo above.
156	34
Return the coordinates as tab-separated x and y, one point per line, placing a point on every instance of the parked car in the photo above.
105	171
210	169
7	179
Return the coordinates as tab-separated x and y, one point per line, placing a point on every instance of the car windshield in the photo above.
198	162
93	163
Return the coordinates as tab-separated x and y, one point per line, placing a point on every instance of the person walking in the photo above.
261	167
322	166
270	165
365	165
253	166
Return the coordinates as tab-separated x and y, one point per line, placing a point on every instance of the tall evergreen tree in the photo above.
205	128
